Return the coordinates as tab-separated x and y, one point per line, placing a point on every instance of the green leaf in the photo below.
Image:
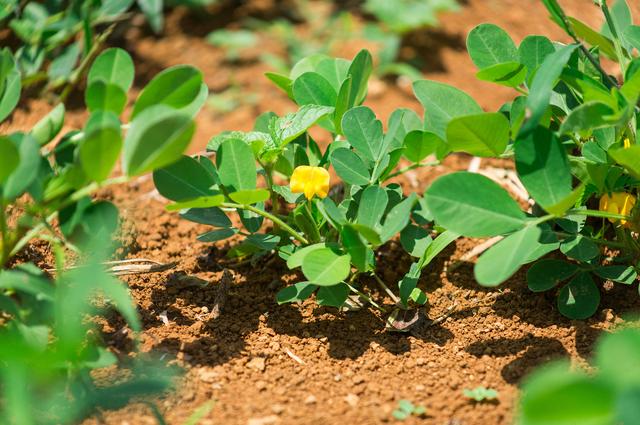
502	260
62	66
359	71
9	158
419	144
594	38
543	167
297	292
408	284
211	216
342	104
621	274
217	235
152	10
312	88
282	81
104	96
586	117
157	137
554	395
442	103
398	218
295	259
579	248
542	86
473	205
324	267
200	202
485	134
401	122
333	296
291	126
632	35
98	152
357	249
179	87
546	274
334	70
621	17
508	74
250	196
49	126
579	299
350	167
616	358
415	240
436	247
372	206
533	50
184	179
489	45
236	165
364	132
11	95
629	158
27	170
557	14
113	66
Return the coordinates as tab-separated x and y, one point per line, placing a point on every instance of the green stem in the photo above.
366	298
386	288
3	234
271	217
316	232
597	213
594	240
614	33
86	62
412	167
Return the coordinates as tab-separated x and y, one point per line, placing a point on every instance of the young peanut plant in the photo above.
48	347
572	132
331	235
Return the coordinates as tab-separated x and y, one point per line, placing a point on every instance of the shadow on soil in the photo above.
250	305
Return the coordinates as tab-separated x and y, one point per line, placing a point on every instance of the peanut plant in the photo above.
572	131
49	348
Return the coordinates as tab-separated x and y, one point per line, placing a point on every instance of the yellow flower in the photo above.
618	203
626	143
310	181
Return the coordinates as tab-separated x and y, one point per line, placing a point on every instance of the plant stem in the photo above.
386	288
594	240
614	33
412	167
316	234
3	235
366	298
86	62
597	213
271	217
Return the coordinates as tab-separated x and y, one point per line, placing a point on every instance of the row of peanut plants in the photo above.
571	131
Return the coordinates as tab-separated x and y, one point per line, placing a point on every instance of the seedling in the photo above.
480	394
331	237
406	409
